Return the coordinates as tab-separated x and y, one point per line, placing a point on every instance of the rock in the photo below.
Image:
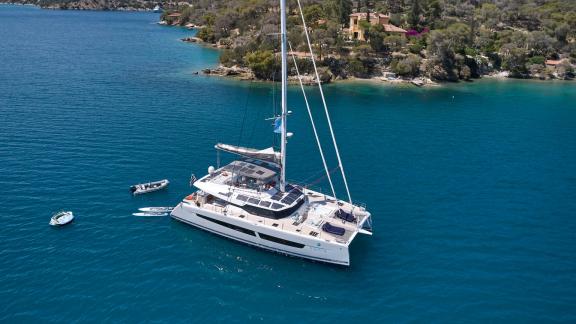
191	39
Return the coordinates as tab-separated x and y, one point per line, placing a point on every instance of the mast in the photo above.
284	88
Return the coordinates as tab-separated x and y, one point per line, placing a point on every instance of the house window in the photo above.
355	35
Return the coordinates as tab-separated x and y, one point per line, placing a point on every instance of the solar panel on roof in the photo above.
265	203
287	200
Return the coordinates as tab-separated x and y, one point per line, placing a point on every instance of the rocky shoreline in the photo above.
245	74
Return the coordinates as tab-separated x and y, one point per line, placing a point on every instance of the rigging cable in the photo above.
324	102
312	121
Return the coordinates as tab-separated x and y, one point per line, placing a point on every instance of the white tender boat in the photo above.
156	209
250	201
150	214
61	218
143	188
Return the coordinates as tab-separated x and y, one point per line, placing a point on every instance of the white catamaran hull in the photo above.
261	236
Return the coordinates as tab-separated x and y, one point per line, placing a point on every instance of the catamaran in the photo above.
250	201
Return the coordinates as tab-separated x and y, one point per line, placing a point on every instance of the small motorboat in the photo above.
156	209
143	188
150	214
61	218
157	9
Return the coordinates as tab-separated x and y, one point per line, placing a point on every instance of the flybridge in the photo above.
252	187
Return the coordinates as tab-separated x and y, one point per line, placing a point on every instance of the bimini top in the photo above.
249	170
268	155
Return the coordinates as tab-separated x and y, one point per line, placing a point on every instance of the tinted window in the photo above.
281	241
231	226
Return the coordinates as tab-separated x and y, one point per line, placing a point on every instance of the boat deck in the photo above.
306	221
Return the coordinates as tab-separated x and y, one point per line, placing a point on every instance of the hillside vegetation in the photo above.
450	40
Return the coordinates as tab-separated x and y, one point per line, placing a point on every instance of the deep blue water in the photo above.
472	187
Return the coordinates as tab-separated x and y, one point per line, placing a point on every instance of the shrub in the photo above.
537	60
408	66
356	68
207	34
263	64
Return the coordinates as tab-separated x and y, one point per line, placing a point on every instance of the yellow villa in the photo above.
357	32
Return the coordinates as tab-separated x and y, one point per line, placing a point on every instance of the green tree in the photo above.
408	66
394	43
207	34
357	68
514	61
263	64
540	43
377	35
561	32
338	10
313	13
414	15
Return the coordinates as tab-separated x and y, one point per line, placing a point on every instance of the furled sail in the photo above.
268	155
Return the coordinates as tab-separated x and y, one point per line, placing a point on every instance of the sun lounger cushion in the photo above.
345	216
327	227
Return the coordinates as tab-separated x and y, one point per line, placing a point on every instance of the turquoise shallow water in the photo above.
472	188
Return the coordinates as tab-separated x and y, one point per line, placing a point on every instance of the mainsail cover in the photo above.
268	155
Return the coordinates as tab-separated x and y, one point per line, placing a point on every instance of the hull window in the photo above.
231	226
281	241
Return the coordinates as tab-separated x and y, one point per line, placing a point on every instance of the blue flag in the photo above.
278	125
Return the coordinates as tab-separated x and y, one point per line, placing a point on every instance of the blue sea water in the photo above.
472	187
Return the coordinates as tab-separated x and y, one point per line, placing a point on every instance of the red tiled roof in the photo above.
553	62
393	29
